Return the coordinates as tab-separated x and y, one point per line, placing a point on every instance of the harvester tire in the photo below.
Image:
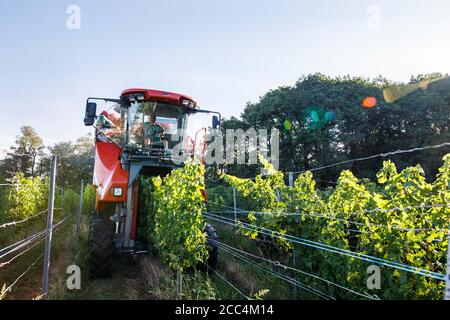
211	234
101	245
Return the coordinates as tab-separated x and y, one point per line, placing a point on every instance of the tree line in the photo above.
324	120
321	119
32	158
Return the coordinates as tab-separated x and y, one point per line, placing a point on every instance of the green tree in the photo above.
75	162
322	121
24	154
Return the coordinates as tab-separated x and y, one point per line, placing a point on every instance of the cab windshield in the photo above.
155	125
111	124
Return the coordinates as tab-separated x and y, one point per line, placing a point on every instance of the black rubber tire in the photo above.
211	234
101	246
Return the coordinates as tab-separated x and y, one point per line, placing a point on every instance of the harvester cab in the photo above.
144	133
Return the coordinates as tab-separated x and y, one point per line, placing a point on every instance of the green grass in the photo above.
30	285
148	278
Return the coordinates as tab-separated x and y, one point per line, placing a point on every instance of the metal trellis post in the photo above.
291	179
294	262
447	275
80	210
235	210
48	239
61	194
179	284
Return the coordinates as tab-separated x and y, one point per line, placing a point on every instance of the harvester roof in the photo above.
162	96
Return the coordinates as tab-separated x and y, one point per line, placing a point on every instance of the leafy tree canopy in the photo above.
324	120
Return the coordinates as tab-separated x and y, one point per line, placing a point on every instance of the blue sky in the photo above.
223	53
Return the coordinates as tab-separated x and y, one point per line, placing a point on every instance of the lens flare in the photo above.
314	116
369	102
287	125
330	116
395	92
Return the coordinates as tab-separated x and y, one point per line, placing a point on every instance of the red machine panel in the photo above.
108	174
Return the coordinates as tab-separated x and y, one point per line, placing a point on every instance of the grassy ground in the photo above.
254	283
145	278
124	284
30	285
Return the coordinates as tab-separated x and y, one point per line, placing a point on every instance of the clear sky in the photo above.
223	53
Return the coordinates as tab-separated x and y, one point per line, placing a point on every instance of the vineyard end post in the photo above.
447	274
294	262
61	194
48	238
291	179
235	210
179	284
80	210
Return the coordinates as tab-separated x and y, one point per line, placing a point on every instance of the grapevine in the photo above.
175	222
415	236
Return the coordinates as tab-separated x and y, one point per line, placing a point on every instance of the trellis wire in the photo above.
229	283
329	248
278	264
281	276
382	155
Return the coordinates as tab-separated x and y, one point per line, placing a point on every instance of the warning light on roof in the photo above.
369	102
